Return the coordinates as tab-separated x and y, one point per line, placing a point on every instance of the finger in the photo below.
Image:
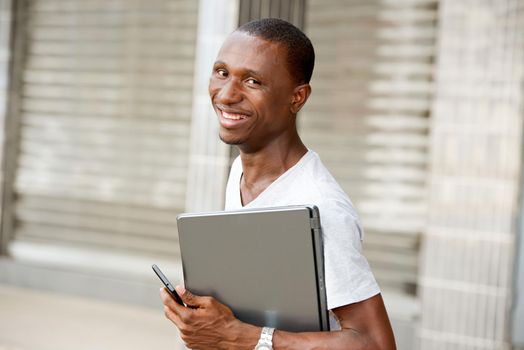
168	300
189	298
173	317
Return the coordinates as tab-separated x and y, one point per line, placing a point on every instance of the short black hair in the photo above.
300	52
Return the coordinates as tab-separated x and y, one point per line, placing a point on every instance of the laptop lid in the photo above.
265	264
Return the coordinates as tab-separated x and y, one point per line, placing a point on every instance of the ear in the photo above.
300	96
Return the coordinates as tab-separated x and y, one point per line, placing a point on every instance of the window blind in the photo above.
368	119
105	114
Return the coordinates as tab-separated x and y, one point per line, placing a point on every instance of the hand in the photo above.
206	323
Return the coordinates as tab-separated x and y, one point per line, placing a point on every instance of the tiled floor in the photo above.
34	320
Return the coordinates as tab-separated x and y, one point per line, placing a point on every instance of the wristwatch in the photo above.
266	339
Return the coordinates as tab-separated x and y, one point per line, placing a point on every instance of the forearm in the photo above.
211	325
344	340
241	336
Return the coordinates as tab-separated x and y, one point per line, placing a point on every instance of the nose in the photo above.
228	93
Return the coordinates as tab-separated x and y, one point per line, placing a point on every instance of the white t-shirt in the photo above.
348	276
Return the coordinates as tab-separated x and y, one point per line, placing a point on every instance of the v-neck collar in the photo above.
275	183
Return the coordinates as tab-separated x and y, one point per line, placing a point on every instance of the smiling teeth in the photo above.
233	116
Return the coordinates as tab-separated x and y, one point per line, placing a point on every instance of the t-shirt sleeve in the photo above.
347	273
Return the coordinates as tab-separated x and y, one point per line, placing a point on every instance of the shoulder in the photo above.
324	186
237	163
232	200
236	169
336	209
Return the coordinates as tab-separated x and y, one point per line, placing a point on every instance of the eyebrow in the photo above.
248	71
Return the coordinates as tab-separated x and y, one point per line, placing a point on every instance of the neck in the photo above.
262	167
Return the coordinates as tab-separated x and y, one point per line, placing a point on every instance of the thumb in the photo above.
188	298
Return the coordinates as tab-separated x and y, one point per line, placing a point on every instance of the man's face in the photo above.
251	91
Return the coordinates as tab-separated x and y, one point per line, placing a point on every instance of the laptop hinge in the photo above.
315	223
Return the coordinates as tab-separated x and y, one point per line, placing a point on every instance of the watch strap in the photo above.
266	338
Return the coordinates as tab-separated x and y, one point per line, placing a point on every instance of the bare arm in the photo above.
365	325
212	325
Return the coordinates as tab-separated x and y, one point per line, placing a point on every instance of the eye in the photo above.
221	72
252	81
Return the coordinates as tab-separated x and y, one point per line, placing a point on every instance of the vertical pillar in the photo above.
209	156
5	55
518	315
468	251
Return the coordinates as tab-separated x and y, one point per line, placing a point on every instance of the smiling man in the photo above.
259	83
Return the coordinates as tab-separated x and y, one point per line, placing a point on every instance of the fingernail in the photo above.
180	290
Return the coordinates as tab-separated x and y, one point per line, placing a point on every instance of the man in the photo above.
259	82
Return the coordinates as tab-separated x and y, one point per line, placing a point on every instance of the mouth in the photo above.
233	116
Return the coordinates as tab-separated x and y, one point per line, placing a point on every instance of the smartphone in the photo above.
168	285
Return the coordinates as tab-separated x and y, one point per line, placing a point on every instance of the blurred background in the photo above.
108	134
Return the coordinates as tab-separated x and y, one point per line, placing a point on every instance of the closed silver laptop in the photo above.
265	264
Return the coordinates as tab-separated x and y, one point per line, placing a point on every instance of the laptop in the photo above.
265	264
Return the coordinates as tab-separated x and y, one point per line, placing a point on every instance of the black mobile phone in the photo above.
168	285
